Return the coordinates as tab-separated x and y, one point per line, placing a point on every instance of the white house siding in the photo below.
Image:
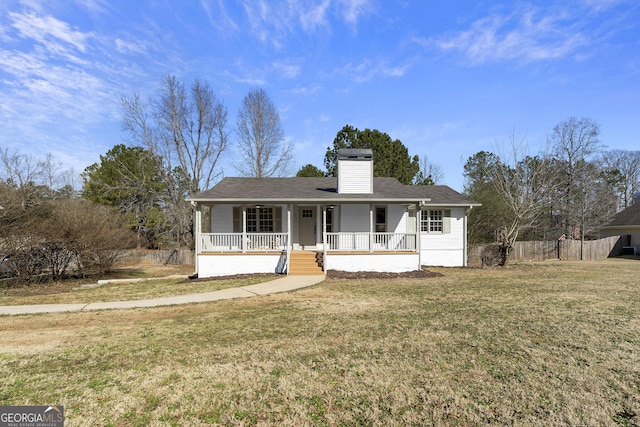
392	263
632	230
354	218
222	219
355	177
397	219
445	249
226	265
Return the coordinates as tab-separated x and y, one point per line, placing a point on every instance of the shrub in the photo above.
96	234
491	255
62	236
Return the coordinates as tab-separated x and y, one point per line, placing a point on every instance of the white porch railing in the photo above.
234	242
371	242
265	242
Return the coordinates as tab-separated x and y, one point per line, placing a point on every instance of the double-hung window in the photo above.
259	220
436	221
252	220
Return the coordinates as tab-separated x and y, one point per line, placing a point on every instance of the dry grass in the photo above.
69	292
534	344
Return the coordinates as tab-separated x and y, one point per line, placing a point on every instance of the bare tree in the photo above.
35	177
21	171
263	150
595	202
574	142
12	209
188	130
431	173
522	183
51	174
623	167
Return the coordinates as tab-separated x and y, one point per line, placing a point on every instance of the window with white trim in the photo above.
252	220
266	220
435	221
259	220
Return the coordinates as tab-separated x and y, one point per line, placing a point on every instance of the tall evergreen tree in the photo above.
310	171
390	157
132	180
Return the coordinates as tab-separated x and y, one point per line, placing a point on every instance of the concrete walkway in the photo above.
284	284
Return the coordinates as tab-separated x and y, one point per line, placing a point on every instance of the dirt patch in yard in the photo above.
417	274
233	277
336	274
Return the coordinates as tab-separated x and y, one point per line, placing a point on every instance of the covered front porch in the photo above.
262	238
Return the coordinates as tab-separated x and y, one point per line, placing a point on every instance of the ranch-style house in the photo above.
354	222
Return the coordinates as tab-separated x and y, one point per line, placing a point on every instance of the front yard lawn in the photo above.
553	343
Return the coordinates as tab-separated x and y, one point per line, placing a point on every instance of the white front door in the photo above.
307	226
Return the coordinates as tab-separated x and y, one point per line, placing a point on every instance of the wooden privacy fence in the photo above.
568	250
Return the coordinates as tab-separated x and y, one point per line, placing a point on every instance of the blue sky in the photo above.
447	78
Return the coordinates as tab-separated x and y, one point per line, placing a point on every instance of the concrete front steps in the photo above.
304	263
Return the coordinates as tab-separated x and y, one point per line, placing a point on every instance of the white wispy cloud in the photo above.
254	81
219	16
53	75
62	82
599	5
262	21
54	91
368	69
307	90
286	69
273	21
49	31
315	16
524	36
352	10
132	46
96	7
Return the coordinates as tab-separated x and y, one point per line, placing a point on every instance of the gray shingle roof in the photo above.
323	190
627	217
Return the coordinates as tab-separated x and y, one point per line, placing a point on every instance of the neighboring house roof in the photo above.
238	190
628	217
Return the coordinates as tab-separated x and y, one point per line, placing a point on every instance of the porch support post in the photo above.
324	237
418	234
198	234
371	227
244	229
289	238
465	253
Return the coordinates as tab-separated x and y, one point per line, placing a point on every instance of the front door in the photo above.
307	226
